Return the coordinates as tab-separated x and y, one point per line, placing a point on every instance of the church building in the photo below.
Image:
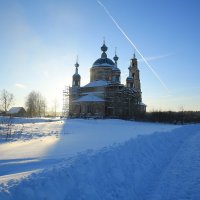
104	96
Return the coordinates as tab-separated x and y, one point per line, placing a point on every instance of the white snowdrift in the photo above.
158	166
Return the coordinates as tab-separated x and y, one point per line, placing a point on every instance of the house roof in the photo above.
89	98
15	110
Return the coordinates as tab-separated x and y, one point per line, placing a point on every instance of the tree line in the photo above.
171	117
35	104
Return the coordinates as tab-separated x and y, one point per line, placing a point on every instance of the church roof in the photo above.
89	98
116	69
98	83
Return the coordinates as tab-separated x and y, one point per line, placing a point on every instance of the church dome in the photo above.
76	75
103	61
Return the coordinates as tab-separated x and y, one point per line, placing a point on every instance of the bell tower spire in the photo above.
76	65
134	55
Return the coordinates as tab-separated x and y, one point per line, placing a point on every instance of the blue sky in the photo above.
40	40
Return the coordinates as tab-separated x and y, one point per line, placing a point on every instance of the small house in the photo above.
17	112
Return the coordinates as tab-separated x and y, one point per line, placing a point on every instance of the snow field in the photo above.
21	120
19	128
161	165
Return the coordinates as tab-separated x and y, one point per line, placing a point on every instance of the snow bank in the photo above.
157	166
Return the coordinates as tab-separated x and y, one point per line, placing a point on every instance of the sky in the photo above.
40	42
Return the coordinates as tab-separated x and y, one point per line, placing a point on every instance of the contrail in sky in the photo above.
125	35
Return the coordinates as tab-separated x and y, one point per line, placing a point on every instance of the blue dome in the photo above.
103	62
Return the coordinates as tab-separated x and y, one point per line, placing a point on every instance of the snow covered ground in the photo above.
101	159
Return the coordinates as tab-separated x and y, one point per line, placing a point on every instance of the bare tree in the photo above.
6	100
6	124
35	104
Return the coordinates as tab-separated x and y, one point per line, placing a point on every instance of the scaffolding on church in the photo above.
65	109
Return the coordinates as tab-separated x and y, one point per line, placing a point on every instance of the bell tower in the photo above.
133	80
129	79
135	73
76	79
